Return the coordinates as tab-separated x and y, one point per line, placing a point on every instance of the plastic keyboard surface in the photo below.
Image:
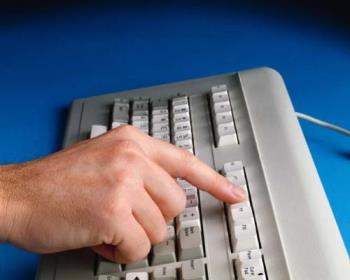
243	125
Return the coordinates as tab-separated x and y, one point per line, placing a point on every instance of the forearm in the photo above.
4	185
7	189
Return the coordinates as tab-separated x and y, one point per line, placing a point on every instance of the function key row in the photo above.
223	123
242	228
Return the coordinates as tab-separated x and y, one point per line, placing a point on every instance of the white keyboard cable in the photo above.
323	123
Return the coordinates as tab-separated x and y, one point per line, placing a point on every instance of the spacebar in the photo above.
214	226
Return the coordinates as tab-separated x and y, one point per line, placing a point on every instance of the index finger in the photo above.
182	164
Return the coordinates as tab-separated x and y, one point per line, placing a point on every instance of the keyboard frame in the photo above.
296	226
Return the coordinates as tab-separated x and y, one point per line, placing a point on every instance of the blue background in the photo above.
53	53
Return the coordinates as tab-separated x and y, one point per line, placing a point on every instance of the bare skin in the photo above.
113	193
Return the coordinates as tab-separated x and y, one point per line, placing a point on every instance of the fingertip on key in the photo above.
238	193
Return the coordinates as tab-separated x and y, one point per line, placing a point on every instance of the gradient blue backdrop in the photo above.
53	53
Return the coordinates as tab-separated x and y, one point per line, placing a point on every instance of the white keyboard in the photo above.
244	126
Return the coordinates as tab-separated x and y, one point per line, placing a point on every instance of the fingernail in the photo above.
238	192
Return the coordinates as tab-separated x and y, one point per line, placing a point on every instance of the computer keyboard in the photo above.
243	125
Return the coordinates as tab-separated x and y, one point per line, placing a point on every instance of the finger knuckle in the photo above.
142	249
125	156
125	130
123	178
178	204
127	145
159	234
188	161
112	207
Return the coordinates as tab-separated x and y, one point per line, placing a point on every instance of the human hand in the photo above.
114	193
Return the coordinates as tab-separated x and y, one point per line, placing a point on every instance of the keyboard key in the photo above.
164	252
219	88
225	134
136	276
225	140
251	269
185	144
164	273
141	125
225	129
170	232
219	96
179	126
105	267
180	109
192	198
160	103
181	117
97	130
160	118
224	117
162	110
239	211
245	242
108	277
188	218
243	227
193	270
120	110
237	177
137	264
244	235
232	166
220	107
139	118
260	277
182	135
140	113
179	101
162	136
140	105
118	123
160	127
190	243
249	255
